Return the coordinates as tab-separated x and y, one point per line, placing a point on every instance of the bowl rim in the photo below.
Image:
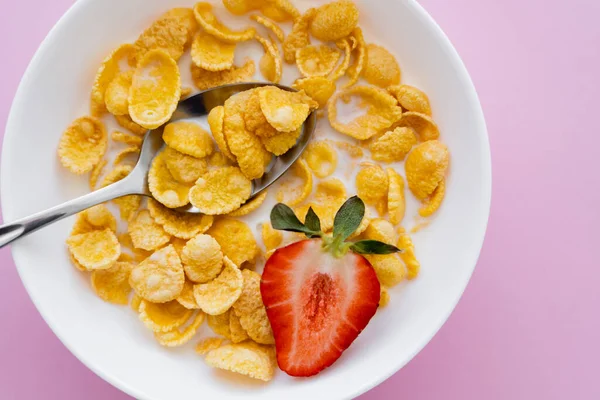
8	211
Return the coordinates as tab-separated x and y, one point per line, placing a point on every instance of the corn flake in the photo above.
271	238
179	224
238	334
95	174
318	88
112	284
208	344
334	21
215	122
317	60
125	122
396	200
202	258
116	96
186	298
251	310
218	295
94	218
435	201
345	46
254	119
425	167
299	193
281	10
170	33
353	150
107	72
381	68
355	70
204	79
163	317
136	302
122	155
321	157
83	145
241	7
176	337
285	111
250	206
381	230
155	90
393	145
381	112
411	98
408	255
126	138
270	25
183	167
424	126
220	324
221	191
160	277
209	22
212	54
299	37
246	358
97	249
236	240
270	63
164	187
146	234
128	205
282	142
188	138
372	184
389	269
384	297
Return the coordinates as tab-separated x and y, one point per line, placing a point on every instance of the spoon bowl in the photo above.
136	183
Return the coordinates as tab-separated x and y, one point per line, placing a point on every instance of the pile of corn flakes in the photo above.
177	270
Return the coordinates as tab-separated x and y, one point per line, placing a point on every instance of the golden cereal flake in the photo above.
294	196
435	201
82	145
76	263
94	218
318	88
188	138
160	277
254	119
211	53
321	157
381	68
97	249
220	324
381	112
95	174
355	70
186	298
280	10
146	234
126	138
241	7
236	240
425	127
285	111
238	334
221	191
218	295
155	90
107	72
426	166
271	238
251	310
204	79
208	344
218	160
334	21
125	122
171	32
164	187
411	98
352	149
122	155
136	302
270	64
209	22
384	298
246	358
215	122
163	317
177	337
396	199
112	284
183	167
317	60
299	37
128	205
381	230
393	145
372	184
282	142
389	268
250	206
270	25
408	255
342	68
202	258
179	224
116	96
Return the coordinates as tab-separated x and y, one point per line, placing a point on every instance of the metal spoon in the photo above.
137	181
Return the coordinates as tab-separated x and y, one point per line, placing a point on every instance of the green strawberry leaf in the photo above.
348	218
373	247
312	220
284	219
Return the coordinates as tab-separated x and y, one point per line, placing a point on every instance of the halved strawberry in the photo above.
318	295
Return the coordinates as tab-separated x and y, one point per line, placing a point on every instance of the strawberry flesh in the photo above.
317	304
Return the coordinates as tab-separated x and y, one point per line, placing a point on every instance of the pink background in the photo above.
528	326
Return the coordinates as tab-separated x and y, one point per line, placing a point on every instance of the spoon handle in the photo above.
24	226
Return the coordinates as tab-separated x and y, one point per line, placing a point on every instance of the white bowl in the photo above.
109	339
